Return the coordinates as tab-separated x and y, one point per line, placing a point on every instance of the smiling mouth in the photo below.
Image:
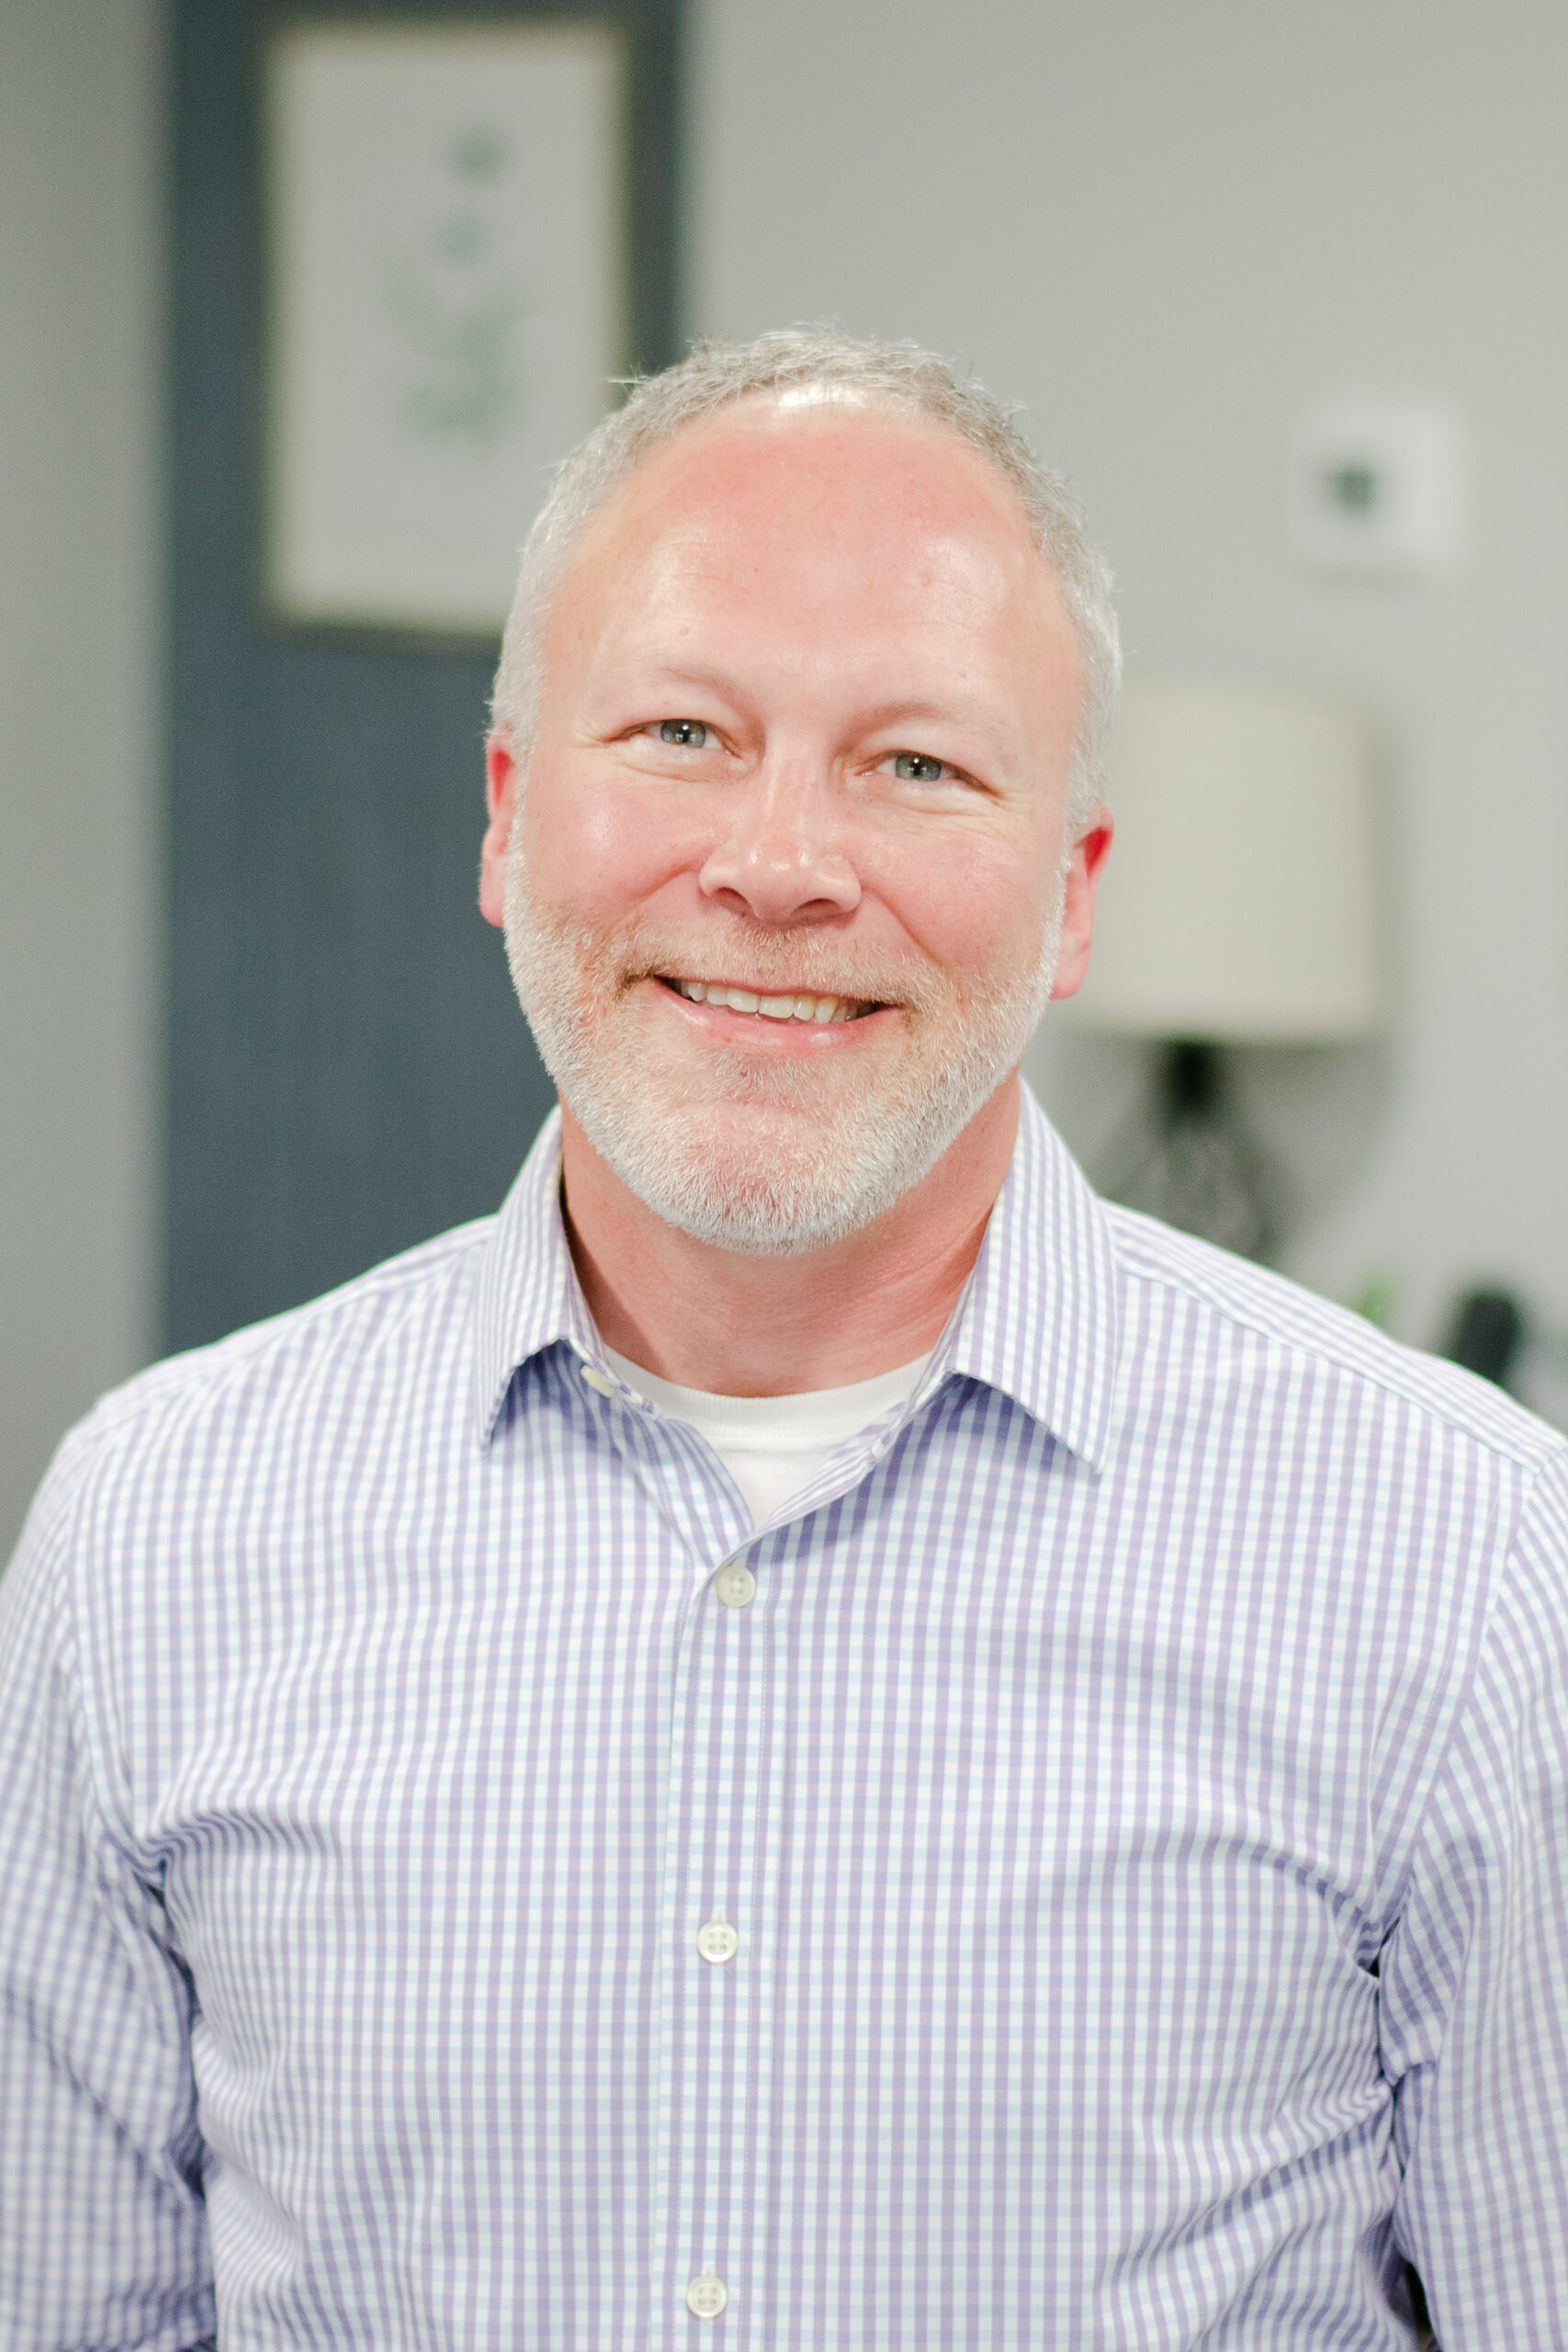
817	1010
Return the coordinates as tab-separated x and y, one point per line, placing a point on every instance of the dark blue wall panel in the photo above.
348	1069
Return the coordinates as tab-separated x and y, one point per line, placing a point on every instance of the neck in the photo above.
737	1326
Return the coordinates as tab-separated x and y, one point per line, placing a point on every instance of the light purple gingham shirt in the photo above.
1139	1787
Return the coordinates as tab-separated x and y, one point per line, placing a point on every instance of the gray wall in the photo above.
79	607
1164	228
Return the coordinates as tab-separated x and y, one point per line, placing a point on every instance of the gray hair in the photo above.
807	358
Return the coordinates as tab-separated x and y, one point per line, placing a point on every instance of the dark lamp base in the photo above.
1187	1158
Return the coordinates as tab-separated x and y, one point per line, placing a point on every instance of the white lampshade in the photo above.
1239	899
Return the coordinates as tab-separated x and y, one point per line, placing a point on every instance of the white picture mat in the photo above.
448	213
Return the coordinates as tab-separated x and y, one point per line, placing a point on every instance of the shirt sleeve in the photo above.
1473	1994
103	2238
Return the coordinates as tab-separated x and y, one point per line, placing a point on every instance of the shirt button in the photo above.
734	1584
717	1940
706	2295
596	1380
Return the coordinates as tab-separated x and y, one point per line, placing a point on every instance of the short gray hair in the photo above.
898	375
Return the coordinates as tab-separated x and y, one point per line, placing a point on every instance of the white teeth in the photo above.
818	1009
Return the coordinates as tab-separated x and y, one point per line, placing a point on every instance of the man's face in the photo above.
784	891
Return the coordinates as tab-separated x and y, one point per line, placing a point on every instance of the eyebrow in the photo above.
926	714
714	681
882	717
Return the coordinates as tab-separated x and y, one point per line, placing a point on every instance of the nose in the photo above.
782	861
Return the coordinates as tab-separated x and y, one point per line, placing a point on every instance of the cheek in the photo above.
600	852
976	907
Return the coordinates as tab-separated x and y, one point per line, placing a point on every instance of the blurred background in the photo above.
251	1034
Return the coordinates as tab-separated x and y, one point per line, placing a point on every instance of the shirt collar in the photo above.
1041	1316
528	1293
1038	1318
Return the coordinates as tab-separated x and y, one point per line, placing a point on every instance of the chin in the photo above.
764	1179
732	1200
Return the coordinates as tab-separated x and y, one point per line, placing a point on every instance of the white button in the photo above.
597	1379
734	1584
706	2295
717	1940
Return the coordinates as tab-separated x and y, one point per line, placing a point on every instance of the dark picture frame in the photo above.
450	234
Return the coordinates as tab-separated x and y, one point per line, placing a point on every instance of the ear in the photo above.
1088	859
501	799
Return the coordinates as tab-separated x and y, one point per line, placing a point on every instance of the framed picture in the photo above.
450	226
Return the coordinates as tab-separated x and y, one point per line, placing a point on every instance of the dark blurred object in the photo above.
1488	1330
1418	2306
1188	1159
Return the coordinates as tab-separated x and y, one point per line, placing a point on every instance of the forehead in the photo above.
817	505
799	459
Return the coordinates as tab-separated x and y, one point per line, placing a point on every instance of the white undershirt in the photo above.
772	1446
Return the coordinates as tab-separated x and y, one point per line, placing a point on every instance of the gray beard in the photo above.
858	1156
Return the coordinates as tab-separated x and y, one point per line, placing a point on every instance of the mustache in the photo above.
730	951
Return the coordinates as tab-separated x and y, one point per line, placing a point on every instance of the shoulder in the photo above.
238	1471
1183	1281
418	1304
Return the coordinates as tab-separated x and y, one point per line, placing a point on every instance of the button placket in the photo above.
717	1762
704	2151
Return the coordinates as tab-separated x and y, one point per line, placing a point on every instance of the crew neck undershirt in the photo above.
772	1446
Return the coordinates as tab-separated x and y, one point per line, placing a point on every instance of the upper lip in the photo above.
768	988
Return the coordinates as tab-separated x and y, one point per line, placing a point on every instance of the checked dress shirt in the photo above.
1088	1873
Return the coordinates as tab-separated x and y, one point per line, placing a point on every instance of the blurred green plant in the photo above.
1377	1298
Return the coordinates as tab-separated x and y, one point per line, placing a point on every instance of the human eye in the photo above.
686	750
920	768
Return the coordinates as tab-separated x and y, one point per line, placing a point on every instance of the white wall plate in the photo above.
1373	490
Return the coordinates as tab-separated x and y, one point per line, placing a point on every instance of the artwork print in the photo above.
448	270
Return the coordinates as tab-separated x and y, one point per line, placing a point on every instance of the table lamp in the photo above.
1238	906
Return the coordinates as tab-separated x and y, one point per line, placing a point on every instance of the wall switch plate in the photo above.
1373	490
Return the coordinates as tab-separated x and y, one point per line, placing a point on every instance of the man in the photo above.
811	1738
